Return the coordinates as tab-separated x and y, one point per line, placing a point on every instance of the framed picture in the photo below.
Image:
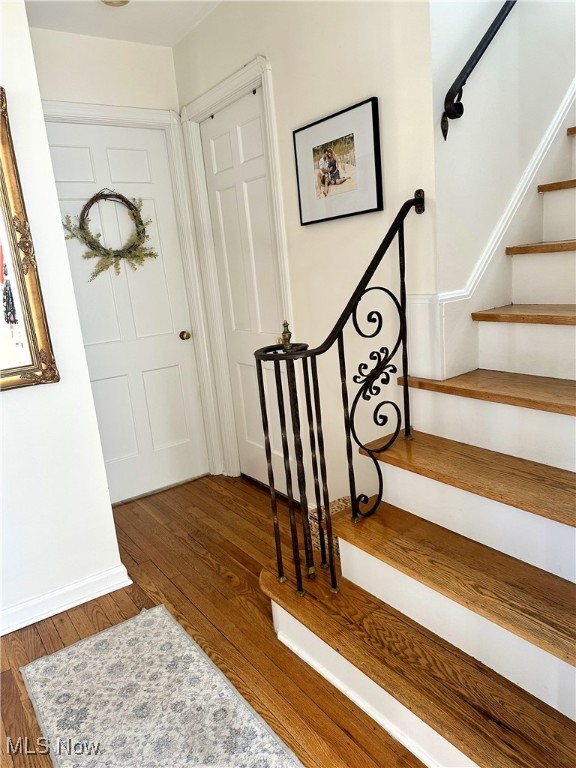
338	165
25	349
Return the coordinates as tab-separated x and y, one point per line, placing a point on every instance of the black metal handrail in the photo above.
370	377
453	107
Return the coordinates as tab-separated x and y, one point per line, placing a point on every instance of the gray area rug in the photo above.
143	694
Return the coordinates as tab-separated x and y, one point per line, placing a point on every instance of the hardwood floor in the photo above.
199	549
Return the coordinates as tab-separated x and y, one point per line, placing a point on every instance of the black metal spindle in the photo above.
372	376
268	450
345	405
404	334
288	471
323	474
310	416
300	471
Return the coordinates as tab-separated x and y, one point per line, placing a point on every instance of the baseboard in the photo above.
49	604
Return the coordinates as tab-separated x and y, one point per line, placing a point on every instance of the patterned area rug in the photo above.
143	694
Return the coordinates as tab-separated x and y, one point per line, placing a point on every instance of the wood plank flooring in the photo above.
199	549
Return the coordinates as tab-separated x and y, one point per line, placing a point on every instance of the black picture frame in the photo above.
349	182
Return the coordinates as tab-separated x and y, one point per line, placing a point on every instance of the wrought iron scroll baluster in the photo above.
372	377
268	449
288	472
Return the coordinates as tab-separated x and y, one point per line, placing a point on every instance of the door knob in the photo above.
184	335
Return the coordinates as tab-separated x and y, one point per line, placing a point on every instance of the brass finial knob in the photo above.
286	336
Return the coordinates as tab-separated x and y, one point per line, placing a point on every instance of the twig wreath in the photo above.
133	251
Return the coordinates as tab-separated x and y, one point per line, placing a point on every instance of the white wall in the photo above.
324	57
97	71
58	541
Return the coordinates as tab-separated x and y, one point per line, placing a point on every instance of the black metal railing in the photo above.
370	377
453	107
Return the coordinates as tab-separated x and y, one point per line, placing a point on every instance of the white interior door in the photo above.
143	375
236	165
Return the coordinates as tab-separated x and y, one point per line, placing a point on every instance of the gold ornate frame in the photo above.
42	368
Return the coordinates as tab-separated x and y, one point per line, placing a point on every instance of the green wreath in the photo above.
133	251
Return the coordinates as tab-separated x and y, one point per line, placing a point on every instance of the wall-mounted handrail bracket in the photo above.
453	107
420	205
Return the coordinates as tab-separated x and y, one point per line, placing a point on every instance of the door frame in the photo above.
257	73
168	122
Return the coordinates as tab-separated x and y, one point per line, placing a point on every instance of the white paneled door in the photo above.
143	374
236	165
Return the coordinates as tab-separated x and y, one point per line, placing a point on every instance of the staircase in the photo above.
454	625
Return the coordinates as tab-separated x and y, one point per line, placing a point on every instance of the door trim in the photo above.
169	123
258	73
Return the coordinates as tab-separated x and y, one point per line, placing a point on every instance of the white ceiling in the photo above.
159	22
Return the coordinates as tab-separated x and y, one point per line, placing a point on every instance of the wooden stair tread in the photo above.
556	185
530	602
538	488
571	131
492	721
552	246
547	314
537	392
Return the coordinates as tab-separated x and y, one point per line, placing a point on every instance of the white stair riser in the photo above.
536	540
559	215
542	350
536	671
544	278
549	438
431	748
